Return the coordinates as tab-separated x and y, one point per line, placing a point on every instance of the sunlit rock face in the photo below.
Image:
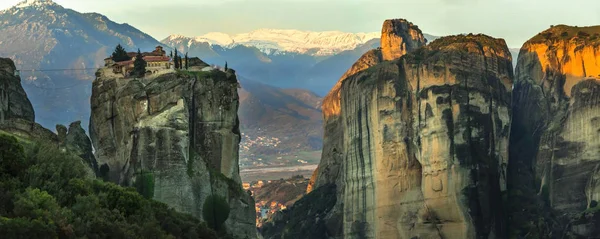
554	139
426	140
175	137
398	38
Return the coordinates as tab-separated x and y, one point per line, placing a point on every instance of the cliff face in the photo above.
426	140
176	138
398	38
554	143
421	142
13	99
16	113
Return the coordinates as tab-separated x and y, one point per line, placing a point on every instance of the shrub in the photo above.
144	184
50	197
215	211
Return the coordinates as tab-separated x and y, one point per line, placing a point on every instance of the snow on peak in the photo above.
289	40
35	3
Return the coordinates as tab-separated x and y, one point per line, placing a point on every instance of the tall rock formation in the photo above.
13	99
16	113
175	137
418	146
398	38
554	160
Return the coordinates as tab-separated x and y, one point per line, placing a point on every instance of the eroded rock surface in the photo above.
426	140
419	145
14	103
176	138
554	140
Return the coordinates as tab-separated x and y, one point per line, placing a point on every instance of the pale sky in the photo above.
514	20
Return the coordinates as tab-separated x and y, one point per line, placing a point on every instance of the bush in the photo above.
215	211
44	193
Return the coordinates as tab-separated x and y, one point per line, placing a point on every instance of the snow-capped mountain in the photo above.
278	41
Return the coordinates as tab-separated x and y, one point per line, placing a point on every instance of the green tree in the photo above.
226	68
120	54
12	157
186	61
176	60
139	65
215	211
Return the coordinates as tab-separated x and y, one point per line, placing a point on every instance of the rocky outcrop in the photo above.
76	141
426	140
554	157
13	99
398	38
419	144
16	113
176	138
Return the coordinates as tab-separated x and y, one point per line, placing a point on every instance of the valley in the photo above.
273	133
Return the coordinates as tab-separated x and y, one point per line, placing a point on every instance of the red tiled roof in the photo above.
156	58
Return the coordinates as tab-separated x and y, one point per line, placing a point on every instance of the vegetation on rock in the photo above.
120	54
44	193
215	211
139	65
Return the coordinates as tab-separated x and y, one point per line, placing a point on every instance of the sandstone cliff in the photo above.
16	113
17	118
176	138
554	157
13	99
420	143
398	38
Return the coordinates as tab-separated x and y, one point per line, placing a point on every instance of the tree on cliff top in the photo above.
120	54
139	65
186	61
176	60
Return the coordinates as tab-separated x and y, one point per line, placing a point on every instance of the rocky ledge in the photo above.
176	138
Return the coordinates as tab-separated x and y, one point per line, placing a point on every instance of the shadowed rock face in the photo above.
426	140
554	140
13	99
16	113
421	143
181	130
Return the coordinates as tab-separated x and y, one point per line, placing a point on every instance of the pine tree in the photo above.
120	54
180	63
139	65
176	60
171	55
226	68
186	61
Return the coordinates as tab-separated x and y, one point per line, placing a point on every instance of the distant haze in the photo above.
514	20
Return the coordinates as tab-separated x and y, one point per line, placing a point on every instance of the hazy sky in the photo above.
513	20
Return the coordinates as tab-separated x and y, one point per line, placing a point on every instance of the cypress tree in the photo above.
226	68
176	60
186	61
120	54
139	65
180	63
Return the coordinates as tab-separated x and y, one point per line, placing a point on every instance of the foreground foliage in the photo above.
45	193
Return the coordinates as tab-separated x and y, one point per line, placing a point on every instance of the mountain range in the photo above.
57	51
283	73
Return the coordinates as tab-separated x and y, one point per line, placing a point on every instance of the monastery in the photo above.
156	60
